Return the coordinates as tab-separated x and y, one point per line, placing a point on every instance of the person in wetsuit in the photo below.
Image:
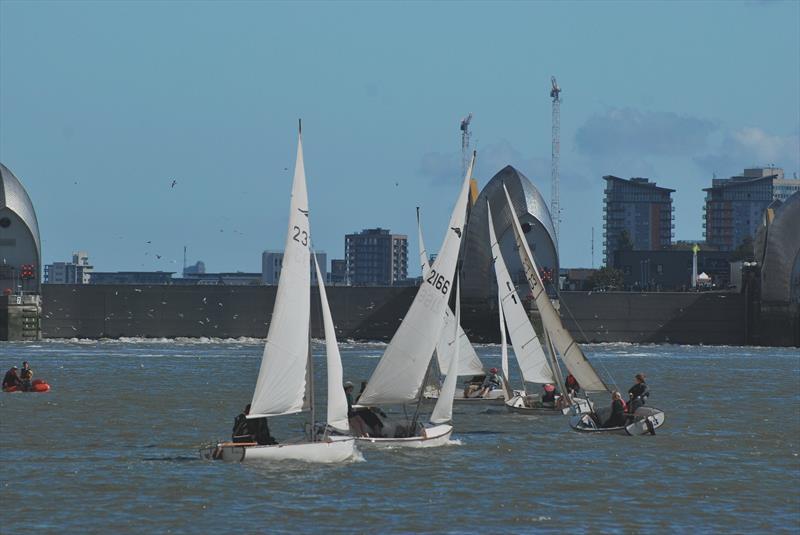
638	393
572	385
251	430
11	378
549	394
26	376
618	417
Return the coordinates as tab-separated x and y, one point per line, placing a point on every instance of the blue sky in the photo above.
102	105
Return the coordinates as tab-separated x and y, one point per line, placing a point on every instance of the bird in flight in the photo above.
173	183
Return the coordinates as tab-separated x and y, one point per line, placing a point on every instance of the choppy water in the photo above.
112	448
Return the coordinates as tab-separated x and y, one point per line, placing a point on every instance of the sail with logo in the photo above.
284	385
404	367
586	418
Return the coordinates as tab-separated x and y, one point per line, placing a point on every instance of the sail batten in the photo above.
281	384
527	348
401	371
571	353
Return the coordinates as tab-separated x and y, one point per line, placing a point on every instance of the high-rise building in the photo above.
638	216
338	274
272	261
375	257
735	206
76	272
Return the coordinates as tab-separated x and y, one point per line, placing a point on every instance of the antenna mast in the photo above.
555	203
465	135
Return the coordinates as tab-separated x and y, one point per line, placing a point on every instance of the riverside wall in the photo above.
373	313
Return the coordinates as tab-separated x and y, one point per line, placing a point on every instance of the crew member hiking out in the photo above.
638	393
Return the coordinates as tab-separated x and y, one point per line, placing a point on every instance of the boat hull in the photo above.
646	421
334	449
431	437
517	405
495	397
38	386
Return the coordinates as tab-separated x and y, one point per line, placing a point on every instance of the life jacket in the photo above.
624	405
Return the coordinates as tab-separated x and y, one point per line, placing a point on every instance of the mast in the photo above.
310	383
551	352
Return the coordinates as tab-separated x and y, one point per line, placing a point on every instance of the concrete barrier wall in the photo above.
678	318
112	311
97	311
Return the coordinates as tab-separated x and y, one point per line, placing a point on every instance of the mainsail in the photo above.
401	371
527	348
337	401
570	351
469	363
281	384
443	410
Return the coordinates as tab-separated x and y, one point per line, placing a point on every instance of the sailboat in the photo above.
534	364
585	416
285	380
403	369
470	364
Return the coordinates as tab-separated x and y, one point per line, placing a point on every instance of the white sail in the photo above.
503	342
337	400
527	348
443	410
469	363
570	351
281	384
401	371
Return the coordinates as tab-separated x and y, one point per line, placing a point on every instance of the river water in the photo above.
113	447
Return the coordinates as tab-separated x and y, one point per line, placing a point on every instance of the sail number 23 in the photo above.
300	236
438	281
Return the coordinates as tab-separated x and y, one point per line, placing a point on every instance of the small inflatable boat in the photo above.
37	385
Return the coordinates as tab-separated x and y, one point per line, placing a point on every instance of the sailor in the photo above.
240	432
490	382
618	417
549	394
11	378
638	393
26	376
251	430
572	385
356	423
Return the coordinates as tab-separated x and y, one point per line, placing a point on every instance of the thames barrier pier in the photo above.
20	262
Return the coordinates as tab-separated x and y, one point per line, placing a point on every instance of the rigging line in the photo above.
563	303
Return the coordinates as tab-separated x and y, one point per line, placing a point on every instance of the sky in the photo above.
104	105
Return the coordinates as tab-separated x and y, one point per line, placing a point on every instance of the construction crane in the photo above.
465	134
555	204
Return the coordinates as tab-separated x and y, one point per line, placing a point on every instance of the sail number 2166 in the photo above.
438	281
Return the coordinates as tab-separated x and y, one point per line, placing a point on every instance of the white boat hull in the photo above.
334	449
646	421
494	397
517	405
431	437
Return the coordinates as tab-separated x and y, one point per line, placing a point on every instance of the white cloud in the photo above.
752	146
640	133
